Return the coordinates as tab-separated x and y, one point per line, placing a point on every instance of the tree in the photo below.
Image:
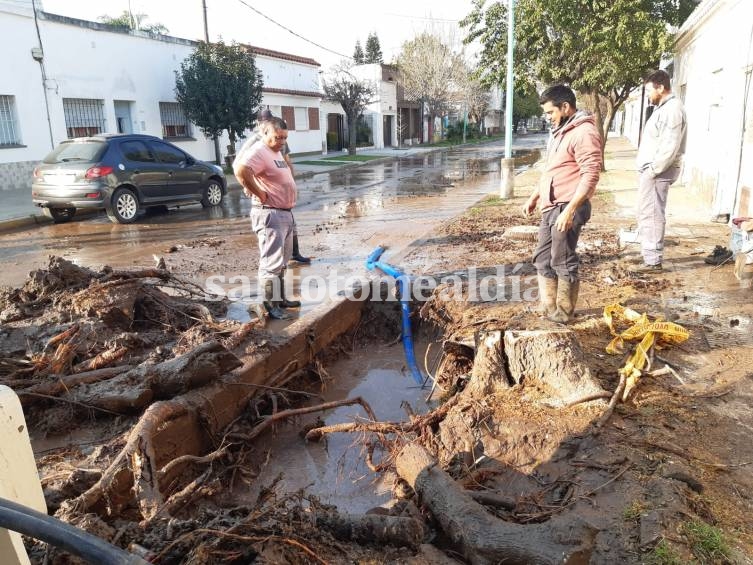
130	21
474	96
358	56
525	103
373	49
219	88
431	74
602	48
352	94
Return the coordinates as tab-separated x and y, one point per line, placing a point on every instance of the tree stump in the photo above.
489	373
552	358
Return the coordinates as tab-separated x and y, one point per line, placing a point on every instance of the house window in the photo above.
288	115
8	129
83	116
301	118
174	121
313	118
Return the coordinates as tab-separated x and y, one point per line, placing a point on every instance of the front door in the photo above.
184	178
387	126
123	116
335	132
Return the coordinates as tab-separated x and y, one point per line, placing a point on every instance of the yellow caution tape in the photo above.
658	332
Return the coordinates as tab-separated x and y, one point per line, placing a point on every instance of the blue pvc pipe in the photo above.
372	262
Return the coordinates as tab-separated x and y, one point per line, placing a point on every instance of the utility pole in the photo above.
465	119
507	184
216	140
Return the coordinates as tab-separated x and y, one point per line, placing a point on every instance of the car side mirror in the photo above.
190	161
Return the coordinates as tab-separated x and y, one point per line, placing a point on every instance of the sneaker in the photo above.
718	256
649	269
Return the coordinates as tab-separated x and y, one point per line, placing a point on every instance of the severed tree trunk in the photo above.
554	359
374	528
489	373
481	537
134	390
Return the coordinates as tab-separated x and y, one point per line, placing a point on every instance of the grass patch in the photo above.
665	554
707	542
353	158
633	512
319	162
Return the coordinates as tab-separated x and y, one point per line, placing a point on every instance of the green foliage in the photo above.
358	56
332	140
525	104
373	49
364	135
352	94
219	88
707	542
602	48
130	21
664	554
633	512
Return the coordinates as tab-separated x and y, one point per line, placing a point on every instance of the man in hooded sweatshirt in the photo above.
573	164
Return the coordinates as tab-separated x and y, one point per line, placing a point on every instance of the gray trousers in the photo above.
652	209
555	255
274	231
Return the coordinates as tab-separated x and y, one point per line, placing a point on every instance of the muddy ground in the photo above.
536	476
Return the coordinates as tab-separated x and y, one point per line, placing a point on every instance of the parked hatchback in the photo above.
122	174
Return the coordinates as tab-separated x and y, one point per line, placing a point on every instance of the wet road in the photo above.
342	215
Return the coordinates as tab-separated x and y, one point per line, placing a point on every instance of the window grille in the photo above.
8	130
84	116
174	121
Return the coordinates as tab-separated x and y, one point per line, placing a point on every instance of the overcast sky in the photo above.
333	24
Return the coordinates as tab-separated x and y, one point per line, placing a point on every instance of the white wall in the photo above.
713	56
84	61
21	77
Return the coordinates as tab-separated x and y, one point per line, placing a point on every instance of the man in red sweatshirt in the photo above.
573	164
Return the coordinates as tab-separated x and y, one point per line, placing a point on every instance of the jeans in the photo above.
555	255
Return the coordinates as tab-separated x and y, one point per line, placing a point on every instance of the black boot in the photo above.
272	305
297	257
285	303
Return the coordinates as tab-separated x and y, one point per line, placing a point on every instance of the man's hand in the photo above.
530	205
565	219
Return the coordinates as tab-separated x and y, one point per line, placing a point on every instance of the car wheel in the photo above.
59	215
124	206
212	194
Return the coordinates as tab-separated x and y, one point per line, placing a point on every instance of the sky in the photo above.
334	25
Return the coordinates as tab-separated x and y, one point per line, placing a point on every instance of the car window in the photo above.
168	154
76	151
136	151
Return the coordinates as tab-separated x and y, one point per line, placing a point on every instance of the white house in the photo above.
61	77
711	73
382	112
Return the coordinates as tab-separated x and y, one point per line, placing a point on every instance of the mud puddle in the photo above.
334	469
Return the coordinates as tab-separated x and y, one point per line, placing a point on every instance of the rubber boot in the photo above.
567	298
272	305
285	303
547	296
297	252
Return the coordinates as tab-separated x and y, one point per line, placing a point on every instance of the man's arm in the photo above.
670	138
588	154
286	156
247	179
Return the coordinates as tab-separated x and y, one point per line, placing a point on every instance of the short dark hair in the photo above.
558	94
659	78
264	115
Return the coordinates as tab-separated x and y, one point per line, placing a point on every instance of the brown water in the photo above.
334	469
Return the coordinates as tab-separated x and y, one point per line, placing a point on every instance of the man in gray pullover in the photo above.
659	160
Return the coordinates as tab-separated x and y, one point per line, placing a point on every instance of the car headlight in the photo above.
218	169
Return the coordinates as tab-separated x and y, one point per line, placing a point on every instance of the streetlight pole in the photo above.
217	155
507	185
